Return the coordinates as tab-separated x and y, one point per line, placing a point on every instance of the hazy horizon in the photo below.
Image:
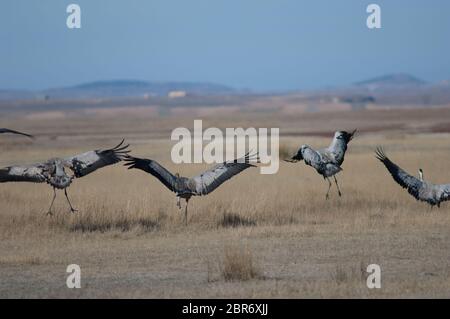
130	81
271	46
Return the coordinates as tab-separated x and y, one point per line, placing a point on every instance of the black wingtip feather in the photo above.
247	158
120	150
132	162
379	154
7	130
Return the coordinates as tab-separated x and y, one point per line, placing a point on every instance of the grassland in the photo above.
271	236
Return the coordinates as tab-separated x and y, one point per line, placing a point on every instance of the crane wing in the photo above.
444	192
6	130
305	153
209	180
85	163
313	158
297	157
405	180
338	147
36	173
154	168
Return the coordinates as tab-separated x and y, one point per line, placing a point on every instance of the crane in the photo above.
199	185
53	171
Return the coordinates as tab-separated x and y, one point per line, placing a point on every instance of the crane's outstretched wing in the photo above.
306	153
209	180
411	183
313	158
154	168
36	173
83	164
7	130
294	159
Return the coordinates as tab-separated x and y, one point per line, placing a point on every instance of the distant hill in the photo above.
396	89
132	88
120	88
391	81
392	90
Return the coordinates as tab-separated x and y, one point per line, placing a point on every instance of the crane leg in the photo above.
337	185
186	212
178	202
51	205
72	210
329	187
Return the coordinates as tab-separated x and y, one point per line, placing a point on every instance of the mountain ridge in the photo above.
395	80
136	88
396	86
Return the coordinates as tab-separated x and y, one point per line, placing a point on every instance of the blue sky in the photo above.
256	44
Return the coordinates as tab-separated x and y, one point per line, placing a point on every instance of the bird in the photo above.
419	188
6	130
53	171
326	161
200	185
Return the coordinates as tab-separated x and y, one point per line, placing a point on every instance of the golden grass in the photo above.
235	220
130	240
238	263
21	260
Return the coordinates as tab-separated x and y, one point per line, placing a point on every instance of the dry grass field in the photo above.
257	236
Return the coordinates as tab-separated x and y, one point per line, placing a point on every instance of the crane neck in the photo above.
421	175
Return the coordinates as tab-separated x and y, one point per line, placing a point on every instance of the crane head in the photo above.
343	135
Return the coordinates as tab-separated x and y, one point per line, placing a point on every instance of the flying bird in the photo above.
53	171
326	161
199	185
419	188
6	130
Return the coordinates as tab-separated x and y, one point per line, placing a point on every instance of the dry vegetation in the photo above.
256	236
238	263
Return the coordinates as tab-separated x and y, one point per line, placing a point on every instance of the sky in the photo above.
263	45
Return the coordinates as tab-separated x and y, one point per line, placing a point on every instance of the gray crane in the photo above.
53	171
200	185
7	130
327	161
419	188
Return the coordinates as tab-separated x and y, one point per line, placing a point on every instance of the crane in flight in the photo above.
419	188
327	161
53	171
200	185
